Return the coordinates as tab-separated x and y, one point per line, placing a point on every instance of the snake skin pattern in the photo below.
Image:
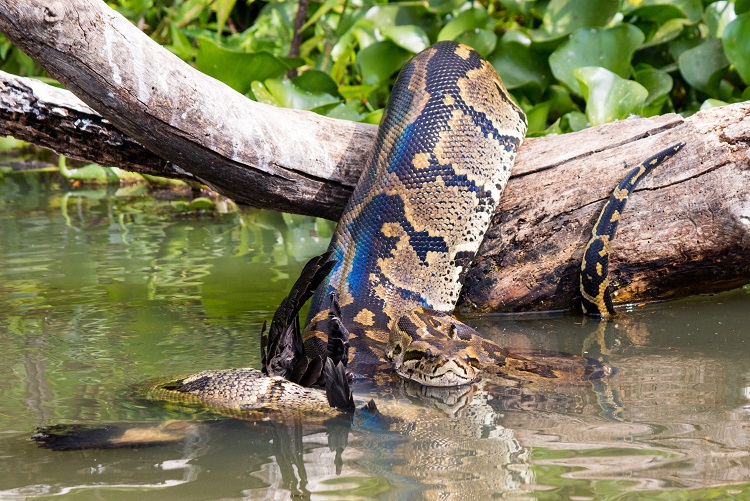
444	150
596	297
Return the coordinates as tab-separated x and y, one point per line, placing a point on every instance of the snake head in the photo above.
433	349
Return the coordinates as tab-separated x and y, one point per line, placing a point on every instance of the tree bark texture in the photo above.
686	229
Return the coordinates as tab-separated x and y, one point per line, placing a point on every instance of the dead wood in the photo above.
685	230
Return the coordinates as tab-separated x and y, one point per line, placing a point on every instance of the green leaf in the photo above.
609	97
285	93
537	117
658	83
576	121
717	16
703	66
658	13
482	41
468	20
661	10
316	81
381	60
444	6
741	6
667	32
520	66
356	91
411	37
566	16
737	45
180	46
223	9
712	103
239	69
611	49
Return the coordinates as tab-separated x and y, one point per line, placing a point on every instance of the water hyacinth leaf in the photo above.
482	41
537	117
411	37
356	91
239	69
468	20
287	94
737	45
560	100
704	65
717	16
381	60
180	46
575	120
340	111
611	49
667	32
661	10
223	8
609	97
566	16
444	6
520	66
658	83
316	81
374	117
659	14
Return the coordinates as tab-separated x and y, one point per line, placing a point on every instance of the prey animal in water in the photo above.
383	293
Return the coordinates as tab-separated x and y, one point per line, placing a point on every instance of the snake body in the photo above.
444	150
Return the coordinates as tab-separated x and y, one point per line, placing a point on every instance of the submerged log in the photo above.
686	229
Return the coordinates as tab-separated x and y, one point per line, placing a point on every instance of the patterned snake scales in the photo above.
384	292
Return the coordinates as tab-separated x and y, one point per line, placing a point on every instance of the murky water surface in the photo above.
102	291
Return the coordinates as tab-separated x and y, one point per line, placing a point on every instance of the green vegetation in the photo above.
569	63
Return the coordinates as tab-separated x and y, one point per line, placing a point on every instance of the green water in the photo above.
103	290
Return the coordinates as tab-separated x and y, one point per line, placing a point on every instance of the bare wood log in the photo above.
255	153
685	231
56	119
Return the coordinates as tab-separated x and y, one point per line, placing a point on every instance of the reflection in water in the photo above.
102	291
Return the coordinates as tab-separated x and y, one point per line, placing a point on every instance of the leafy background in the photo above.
569	63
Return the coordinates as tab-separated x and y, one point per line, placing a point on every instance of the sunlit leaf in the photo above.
180	45
223	9
482	41
658	83
468	20
316	81
611	49
703	66
609	97
537	116
717	16
411	37
381	60
444	6
661	10
668	31
520	65
285	93
737	45
239	69
566	16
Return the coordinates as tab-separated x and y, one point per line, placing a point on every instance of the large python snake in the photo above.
384	292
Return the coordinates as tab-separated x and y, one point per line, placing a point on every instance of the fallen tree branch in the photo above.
685	231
